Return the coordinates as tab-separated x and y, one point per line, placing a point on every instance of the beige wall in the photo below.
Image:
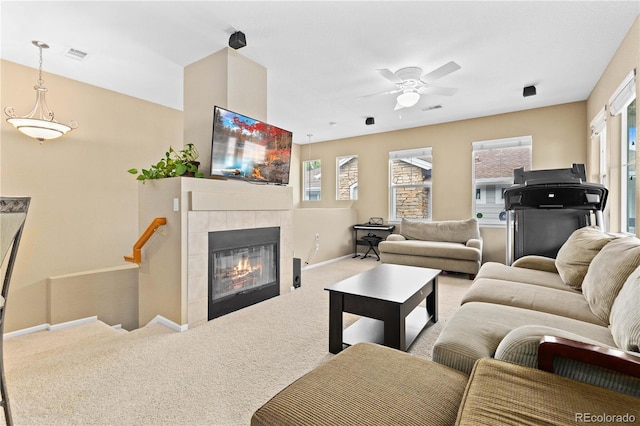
84	210
111	294
558	141
229	80
333	228
626	58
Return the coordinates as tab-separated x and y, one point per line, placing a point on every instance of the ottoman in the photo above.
369	384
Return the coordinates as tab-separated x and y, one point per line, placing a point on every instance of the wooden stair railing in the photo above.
137	247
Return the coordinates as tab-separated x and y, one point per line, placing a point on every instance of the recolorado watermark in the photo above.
604	418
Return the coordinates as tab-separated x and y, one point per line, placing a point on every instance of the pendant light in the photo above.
39	123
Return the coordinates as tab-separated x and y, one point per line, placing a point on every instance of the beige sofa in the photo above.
453	245
589	293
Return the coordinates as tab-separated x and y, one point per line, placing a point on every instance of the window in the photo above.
493	164
311	185
410	184
623	102
347	178
629	178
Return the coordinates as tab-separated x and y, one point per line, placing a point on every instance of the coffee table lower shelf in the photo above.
372	330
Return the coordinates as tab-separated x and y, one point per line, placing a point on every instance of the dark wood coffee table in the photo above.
388	298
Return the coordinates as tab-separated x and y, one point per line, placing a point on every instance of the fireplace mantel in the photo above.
173	273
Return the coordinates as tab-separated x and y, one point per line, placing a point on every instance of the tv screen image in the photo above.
246	148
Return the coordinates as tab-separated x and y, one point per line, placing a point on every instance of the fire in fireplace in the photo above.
243	268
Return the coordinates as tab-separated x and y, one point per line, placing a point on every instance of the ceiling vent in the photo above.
76	54
431	107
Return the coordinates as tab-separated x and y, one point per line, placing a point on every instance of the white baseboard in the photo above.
159	319
326	262
49	327
53	327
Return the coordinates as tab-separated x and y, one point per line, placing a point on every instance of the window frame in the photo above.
408	154
353	193
499	183
619	103
625	164
306	181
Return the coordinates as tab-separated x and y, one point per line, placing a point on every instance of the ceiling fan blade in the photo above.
389	75
446	69
433	90
388	92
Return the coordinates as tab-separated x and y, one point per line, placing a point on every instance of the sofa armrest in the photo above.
475	243
540	263
605	357
395	237
521	346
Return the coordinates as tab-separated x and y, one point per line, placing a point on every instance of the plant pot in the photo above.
193	173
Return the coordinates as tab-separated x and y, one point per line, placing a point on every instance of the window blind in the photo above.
624	94
599	122
408	153
502	143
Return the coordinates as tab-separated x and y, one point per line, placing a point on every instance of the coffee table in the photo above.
388	298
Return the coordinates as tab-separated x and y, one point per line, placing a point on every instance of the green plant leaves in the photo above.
174	163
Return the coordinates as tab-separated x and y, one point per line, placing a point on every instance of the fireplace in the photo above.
243	268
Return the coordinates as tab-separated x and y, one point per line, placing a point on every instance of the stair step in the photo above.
20	349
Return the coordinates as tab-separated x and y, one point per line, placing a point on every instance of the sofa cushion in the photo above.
522	275
500	393
368	384
575	255
533	297
477	328
625	314
455	231
431	249
608	271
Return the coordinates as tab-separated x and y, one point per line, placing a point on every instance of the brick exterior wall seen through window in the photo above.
347	177
411	202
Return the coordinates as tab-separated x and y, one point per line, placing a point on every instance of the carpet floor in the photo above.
218	373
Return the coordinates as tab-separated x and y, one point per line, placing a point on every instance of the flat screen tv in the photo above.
249	149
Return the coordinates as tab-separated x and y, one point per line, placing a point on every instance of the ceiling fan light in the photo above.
408	99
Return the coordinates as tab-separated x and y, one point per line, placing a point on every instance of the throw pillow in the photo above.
607	272
454	231
575	255
625	315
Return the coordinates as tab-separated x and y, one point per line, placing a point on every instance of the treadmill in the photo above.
544	207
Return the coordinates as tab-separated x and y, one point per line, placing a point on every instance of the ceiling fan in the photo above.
410	83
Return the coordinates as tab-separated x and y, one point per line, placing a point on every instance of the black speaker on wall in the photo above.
297	275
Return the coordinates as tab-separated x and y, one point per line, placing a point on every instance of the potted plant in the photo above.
174	163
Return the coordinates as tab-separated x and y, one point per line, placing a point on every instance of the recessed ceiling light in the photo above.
76	54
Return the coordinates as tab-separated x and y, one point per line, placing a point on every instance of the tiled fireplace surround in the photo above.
201	222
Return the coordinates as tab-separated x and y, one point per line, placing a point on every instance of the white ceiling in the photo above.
322	55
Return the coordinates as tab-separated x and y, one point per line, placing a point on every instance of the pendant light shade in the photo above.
39	123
